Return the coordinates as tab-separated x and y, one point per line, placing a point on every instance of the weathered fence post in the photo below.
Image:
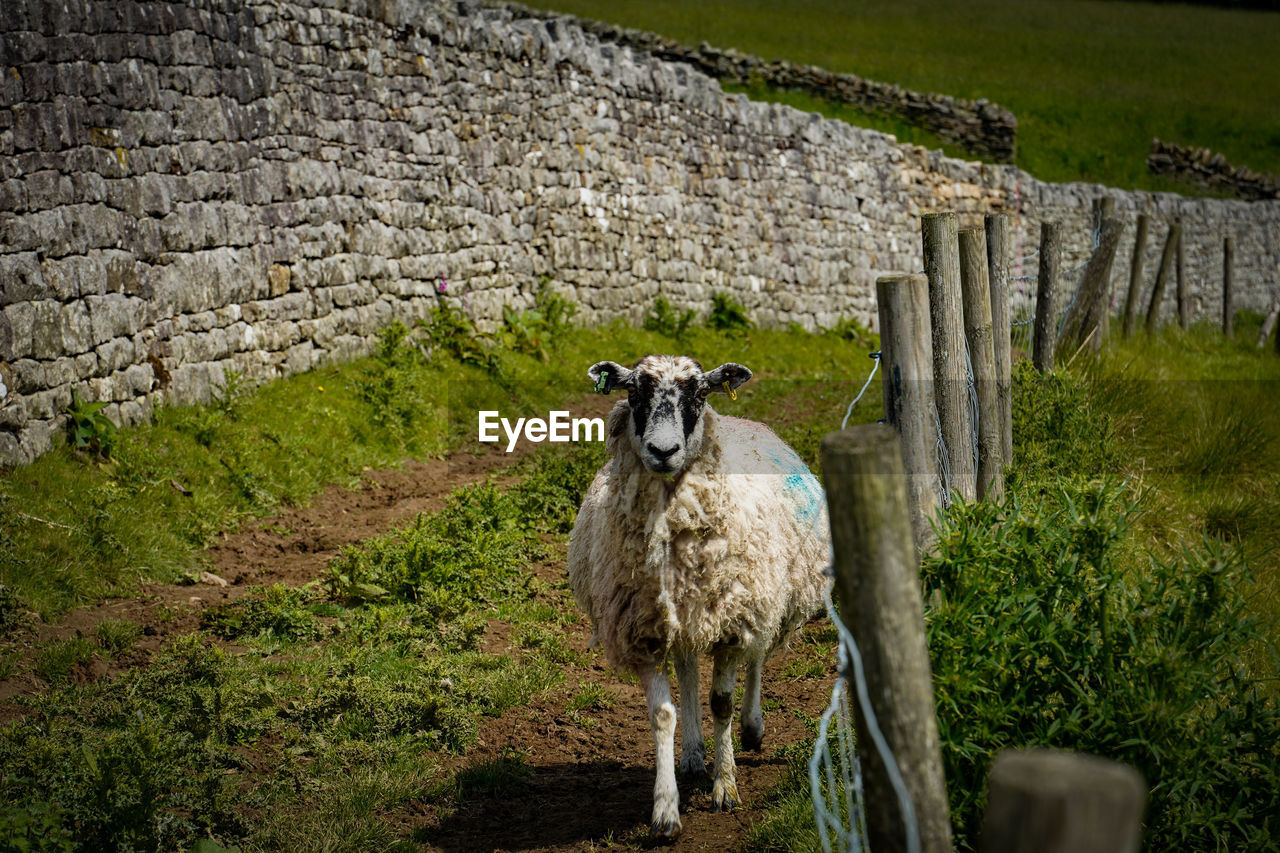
1046	801
997	225
976	294
1228	305
1104	207
1046	326
1135	275
1086	320
906	359
878	585
1184	286
950	364
1162	276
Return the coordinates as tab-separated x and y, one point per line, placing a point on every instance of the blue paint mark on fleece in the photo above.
802	485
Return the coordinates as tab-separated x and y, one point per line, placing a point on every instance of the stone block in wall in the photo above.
21	278
28	375
43	405
115	354
114	315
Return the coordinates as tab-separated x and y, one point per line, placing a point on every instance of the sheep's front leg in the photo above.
724	788
752	718
693	753
662	721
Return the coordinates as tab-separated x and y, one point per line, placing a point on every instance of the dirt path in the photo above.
591	783
589	774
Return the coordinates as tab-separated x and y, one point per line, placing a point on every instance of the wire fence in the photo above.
835	773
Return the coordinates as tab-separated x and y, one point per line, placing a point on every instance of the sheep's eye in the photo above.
702	393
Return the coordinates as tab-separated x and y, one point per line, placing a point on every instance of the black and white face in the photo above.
667	395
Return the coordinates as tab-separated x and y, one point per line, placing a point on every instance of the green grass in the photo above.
73	529
339	701
1091	81
305	738
1125	598
116	636
59	659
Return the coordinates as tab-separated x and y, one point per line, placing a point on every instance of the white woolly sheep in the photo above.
702	534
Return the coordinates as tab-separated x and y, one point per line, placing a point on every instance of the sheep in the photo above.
702	534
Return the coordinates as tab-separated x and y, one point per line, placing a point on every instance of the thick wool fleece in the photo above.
731	550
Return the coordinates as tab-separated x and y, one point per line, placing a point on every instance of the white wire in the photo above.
850	659
875	356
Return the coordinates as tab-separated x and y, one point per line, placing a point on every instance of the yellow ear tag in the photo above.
733	395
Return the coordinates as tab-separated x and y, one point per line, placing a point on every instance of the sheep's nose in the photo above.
661	454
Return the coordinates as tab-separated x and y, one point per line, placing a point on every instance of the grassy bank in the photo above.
1091	81
334	716
1123	601
76	527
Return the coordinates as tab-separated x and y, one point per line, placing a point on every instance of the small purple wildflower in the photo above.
444	284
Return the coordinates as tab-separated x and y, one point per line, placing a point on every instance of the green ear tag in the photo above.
602	384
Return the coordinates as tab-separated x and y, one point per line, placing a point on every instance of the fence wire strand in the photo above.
835	780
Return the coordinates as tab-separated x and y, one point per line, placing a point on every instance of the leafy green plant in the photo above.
1043	637
88	429
451	330
391	384
280	613
664	319
33	827
555	484
57	660
850	329
532	331
10	609
475	546
226	397
728	315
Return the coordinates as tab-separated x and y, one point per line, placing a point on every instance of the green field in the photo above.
1091	81
1122	600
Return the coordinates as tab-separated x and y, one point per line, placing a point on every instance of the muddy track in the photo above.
590	776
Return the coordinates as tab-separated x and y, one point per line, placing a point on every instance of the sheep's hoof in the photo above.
724	795
694	767
665	828
753	737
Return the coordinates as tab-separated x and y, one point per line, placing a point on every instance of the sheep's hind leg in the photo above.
693	753
662	721
752	717
724	788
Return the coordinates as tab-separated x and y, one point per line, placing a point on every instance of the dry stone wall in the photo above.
190	189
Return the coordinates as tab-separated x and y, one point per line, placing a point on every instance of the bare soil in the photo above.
591	783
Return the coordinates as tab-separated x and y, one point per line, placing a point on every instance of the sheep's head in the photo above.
667	396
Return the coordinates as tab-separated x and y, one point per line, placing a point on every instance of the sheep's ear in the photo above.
733	374
607	375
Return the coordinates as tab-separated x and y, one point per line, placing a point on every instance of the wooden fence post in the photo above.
1184	286
1046	325
976	294
906	361
1086	320
950	365
1228	304
997	225
1047	801
878	586
1135	275
1162	276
